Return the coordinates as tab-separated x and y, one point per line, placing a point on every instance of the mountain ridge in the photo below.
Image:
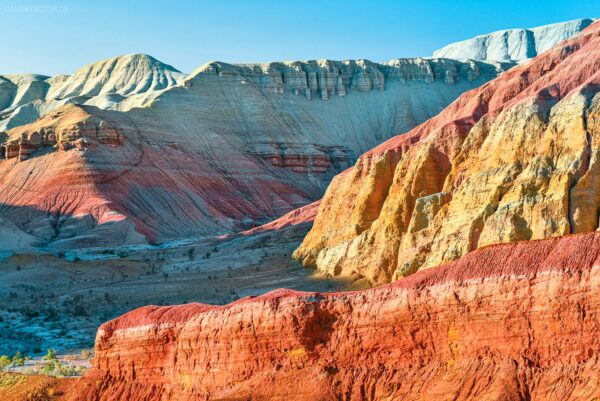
256	142
516	44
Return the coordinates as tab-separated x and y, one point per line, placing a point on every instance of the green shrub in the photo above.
50	355
18	359
4	361
190	253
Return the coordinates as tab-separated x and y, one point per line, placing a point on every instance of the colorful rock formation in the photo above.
303	215
497	319
508	322
516	159
222	150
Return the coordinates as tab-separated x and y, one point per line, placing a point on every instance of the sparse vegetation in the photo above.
50	355
57	369
9	380
5	361
190	253
18	359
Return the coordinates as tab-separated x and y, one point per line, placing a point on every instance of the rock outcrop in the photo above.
516	159
510	322
223	150
513	44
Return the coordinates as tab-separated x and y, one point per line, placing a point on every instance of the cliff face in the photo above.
508	322
227	149
516	159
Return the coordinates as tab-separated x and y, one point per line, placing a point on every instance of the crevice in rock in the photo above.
584	168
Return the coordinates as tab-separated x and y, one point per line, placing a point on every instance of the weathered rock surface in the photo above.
301	216
516	159
105	84
510	322
224	150
513	44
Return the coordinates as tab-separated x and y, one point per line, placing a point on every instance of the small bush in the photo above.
50	355
18	359
190	253
5	361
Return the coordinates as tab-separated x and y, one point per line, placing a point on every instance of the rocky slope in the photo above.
228	148
105	84
513	44
516	159
509	322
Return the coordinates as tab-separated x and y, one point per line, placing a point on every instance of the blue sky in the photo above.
54	36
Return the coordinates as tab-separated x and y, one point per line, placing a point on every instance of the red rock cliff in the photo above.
509	322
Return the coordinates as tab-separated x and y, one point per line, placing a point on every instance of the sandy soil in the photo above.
58	301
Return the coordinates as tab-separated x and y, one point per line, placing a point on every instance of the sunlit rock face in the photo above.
513	44
105	84
148	154
507	322
516	159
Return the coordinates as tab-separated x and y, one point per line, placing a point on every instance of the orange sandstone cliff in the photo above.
516	159
507	322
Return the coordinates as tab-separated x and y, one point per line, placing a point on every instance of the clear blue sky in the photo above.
54	36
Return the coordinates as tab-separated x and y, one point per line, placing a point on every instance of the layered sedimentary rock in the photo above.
24	98
513	44
509	322
225	149
303	215
516	159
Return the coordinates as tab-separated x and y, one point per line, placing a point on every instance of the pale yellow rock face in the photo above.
514	160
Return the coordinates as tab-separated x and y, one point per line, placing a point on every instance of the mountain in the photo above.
513	44
508	322
498	194
105	84
139	153
516	159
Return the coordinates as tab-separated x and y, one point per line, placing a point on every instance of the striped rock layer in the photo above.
508	322
224	149
516	159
